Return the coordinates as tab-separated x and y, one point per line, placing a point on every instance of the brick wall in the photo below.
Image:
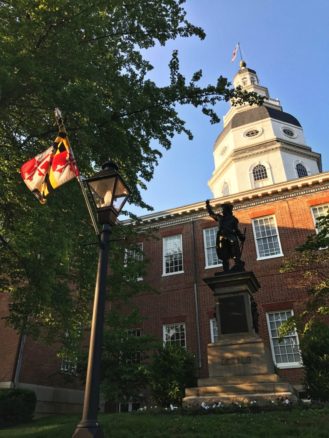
9	343
177	293
184	297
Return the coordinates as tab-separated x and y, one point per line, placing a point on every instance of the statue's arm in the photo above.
211	211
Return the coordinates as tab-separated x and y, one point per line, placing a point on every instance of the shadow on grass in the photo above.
299	423
48	427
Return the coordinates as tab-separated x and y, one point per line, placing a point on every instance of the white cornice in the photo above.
261	147
241	200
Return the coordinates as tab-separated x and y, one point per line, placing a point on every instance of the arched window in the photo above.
259	172
301	170
225	189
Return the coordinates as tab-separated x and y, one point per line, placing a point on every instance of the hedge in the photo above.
16	406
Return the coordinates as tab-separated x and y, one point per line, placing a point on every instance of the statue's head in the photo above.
227	208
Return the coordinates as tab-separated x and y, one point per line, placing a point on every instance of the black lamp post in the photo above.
109	193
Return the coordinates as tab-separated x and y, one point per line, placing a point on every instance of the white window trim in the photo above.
292	129
253	128
274	256
207	266
212	322
125	264
282	365
262	182
164	334
313	217
164	273
69	365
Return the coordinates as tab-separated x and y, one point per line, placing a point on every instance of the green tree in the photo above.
85	58
126	348
125	359
311	261
315	352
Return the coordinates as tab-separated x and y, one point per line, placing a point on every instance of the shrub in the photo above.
172	370
16	405
315	352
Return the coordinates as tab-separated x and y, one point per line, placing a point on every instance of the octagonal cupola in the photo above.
259	145
247	79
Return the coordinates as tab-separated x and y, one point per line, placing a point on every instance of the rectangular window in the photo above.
286	354
213	330
209	239
135	255
69	365
174	334
266	237
317	212
172	255
136	332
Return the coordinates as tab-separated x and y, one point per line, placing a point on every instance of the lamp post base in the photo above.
88	429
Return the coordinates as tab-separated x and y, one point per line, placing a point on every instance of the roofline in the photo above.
247	195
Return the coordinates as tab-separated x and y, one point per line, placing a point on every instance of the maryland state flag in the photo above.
50	169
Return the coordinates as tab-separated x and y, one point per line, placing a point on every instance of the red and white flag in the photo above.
235	52
34	173
63	166
50	169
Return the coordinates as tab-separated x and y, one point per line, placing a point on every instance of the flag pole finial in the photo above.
59	120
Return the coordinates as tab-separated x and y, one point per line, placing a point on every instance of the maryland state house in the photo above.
263	166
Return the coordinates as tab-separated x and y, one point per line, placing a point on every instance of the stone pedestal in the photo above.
238	356
233	296
240	367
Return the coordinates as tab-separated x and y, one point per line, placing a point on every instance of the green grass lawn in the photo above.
312	423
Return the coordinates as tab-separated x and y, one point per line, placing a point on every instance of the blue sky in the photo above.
285	41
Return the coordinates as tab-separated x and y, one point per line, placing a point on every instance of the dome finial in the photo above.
243	64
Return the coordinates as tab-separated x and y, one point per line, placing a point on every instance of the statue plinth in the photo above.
233	297
240	366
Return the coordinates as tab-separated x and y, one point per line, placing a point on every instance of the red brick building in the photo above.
264	167
25	363
184	310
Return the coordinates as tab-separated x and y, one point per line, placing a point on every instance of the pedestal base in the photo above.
240	367
240	370
238	355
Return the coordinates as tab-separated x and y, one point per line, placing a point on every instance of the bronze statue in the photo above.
228	238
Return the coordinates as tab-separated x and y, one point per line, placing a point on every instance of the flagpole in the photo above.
91	214
240	52
61	128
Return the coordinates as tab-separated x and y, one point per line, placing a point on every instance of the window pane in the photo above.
213	330
259	172
210	247
266	237
174	334
173	254
133	257
69	365
301	170
285	351
319	211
